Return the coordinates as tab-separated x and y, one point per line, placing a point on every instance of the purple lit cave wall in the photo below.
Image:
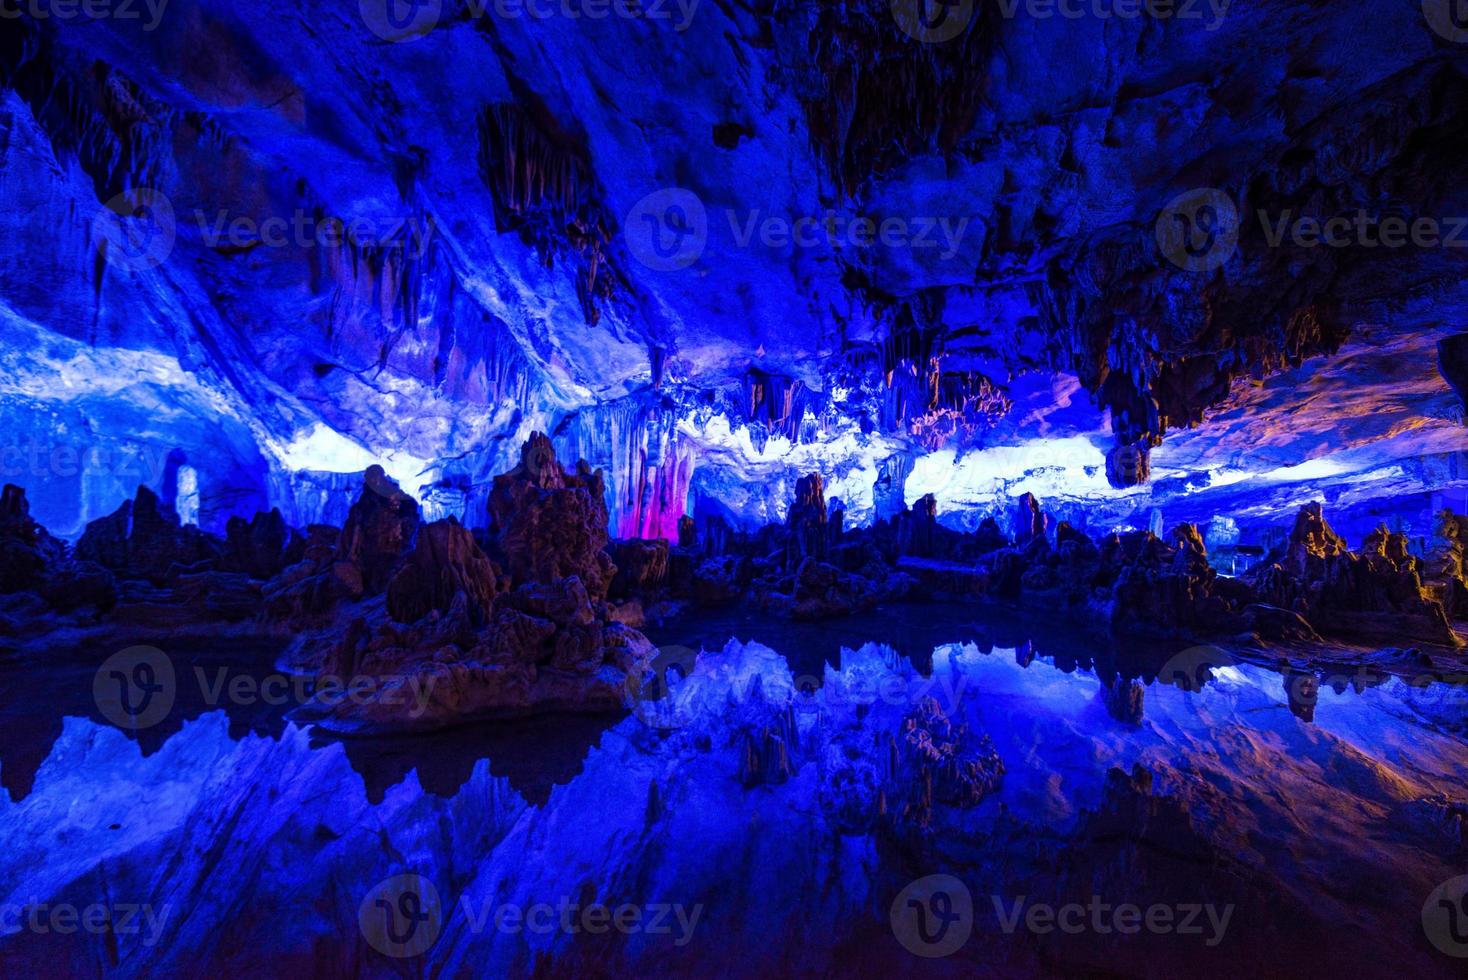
613	388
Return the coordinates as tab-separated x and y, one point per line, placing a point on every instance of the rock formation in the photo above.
142	539
550	524
379	530
1375	592
478	640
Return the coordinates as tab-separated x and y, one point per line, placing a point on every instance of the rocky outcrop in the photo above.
1445	564
446	562
1030	522
379	530
1452	361
25	548
261	547
1375	592
918	531
31	560
1164	589
142	539
823	591
522	627
938	761
313	588
1129	465
806	523
550	524
642	567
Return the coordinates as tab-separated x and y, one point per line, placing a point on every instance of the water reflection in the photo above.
537	754
1035	767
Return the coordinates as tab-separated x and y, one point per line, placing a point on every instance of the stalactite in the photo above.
884	96
118	134
544	187
649	465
